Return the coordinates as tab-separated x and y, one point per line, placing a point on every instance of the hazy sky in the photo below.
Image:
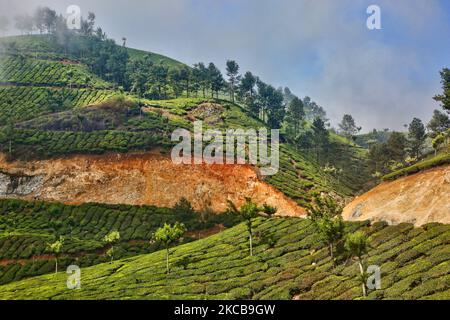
319	48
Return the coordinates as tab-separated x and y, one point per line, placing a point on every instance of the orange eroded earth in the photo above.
146	178
420	198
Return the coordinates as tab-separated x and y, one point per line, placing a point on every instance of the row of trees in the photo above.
403	149
325	213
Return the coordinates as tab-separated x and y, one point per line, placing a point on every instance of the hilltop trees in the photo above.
348	126
233	78
382	156
444	98
417	135
320	137
247	86
215	80
167	235
439	123
270	104
294	116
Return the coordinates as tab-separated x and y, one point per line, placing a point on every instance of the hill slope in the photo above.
414	265
51	101
138	179
419	198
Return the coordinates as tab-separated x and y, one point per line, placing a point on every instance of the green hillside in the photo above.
27	227
44	97
287	262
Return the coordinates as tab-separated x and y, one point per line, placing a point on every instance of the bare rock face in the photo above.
141	179
19	185
420	198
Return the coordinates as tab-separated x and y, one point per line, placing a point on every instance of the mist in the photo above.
320	49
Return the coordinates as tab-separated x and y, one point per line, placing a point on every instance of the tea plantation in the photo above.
288	262
27	227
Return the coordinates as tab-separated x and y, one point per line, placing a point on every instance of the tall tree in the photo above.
232	73
87	25
200	75
55	248
215	79
325	213
159	78
357	245
439	123
417	136
185	76
396	146
175	81
248	211
167	235
320	137
295	115
348	126
111	238
247	85
444	98
49	19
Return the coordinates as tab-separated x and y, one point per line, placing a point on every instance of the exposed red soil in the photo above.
148	178
420	198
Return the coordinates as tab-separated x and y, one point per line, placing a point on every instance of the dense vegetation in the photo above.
27	227
20	103
288	261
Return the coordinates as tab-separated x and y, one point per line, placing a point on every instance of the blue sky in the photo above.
322	49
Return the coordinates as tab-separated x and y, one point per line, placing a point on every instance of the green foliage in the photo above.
295	266
416	136
440	159
26	228
444	98
27	72
168	235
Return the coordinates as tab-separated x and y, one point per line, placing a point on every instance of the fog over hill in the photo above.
323	50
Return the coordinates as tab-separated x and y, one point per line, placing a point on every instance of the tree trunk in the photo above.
56	265
331	254
361	269
167	260
251	245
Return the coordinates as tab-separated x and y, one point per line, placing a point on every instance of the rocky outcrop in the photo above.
13	184
141	179
420	198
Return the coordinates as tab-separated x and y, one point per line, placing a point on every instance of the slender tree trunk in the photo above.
331	254
167	260
56	264
251	245
361	269
112	255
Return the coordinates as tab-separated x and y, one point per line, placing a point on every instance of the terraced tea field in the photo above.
25	71
27	227
414	265
20	103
